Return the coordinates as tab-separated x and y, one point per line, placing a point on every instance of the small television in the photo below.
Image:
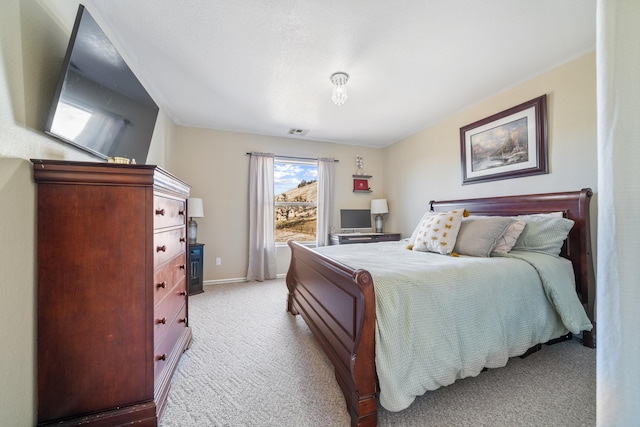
99	104
355	219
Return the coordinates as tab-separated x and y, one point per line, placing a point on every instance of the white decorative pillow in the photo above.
412	239
509	237
438	232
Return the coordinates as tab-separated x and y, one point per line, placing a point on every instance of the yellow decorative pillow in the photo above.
438	232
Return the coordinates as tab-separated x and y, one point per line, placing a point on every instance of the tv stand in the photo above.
348	238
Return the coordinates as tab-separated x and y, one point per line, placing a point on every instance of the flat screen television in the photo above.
355	220
99	105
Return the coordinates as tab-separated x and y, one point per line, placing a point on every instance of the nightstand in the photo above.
196	260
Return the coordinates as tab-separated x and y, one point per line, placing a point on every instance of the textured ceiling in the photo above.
263	67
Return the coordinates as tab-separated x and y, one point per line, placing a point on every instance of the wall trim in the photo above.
234	280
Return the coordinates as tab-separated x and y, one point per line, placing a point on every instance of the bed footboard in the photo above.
338	304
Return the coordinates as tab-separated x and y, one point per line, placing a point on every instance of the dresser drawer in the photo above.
165	277
167	310
168	212
168	244
162	352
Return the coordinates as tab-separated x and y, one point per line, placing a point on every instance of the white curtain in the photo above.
262	246
618	273
325	200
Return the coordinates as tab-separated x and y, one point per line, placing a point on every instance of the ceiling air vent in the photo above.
298	132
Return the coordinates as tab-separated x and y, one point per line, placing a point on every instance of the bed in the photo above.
338	300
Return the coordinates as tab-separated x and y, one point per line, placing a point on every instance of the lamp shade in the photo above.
379	206
195	208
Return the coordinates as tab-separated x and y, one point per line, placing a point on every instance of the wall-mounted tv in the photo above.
355	219
99	104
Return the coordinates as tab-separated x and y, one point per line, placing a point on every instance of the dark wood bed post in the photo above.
587	278
348	340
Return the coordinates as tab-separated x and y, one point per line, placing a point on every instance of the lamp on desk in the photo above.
195	210
379	207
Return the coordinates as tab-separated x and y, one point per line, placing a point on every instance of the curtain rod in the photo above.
297	158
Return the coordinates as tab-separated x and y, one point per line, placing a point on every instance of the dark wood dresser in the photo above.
112	291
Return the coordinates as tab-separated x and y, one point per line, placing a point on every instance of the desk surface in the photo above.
342	238
360	234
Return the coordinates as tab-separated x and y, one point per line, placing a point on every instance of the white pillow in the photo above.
509	237
438	232
412	239
508	240
543	233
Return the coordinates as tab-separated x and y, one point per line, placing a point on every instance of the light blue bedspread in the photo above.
442	318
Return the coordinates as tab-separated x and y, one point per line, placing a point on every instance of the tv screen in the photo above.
355	219
99	104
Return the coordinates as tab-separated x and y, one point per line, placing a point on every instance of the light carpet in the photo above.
252	364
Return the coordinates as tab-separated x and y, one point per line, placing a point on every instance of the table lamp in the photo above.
379	207
195	211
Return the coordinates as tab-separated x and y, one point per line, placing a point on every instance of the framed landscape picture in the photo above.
509	144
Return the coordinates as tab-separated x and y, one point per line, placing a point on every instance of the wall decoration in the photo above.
359	165
360	179
509	144
361	183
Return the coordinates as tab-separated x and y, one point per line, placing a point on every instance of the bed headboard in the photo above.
577	248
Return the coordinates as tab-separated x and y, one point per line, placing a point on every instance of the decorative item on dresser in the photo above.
112	291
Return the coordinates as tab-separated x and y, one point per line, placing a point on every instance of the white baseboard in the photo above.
235	280
220	281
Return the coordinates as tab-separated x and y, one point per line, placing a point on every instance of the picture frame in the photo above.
509	144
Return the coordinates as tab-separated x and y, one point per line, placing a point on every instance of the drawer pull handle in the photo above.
162	248
160	212
181	212
182	293
183	320
162	321
182	240
163	357
162	285
182	267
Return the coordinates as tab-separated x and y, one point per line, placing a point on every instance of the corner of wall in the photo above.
18	292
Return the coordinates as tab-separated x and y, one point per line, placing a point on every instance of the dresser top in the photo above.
102	173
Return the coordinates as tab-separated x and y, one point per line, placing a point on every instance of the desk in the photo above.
347	238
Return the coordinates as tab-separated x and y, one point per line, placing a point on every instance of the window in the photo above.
296	200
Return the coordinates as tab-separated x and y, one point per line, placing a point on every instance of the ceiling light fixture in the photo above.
339	91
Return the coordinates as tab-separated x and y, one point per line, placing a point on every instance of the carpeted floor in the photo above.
252	364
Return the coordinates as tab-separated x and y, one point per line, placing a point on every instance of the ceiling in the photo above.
263	67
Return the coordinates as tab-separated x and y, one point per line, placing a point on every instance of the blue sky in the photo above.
289	175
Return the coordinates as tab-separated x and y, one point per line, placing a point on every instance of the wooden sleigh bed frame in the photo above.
338	301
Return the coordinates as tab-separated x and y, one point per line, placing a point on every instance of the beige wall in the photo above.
426	165
215	163
33	47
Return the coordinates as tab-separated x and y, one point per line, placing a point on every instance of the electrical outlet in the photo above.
218	261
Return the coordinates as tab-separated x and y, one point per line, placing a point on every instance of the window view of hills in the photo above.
296	213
